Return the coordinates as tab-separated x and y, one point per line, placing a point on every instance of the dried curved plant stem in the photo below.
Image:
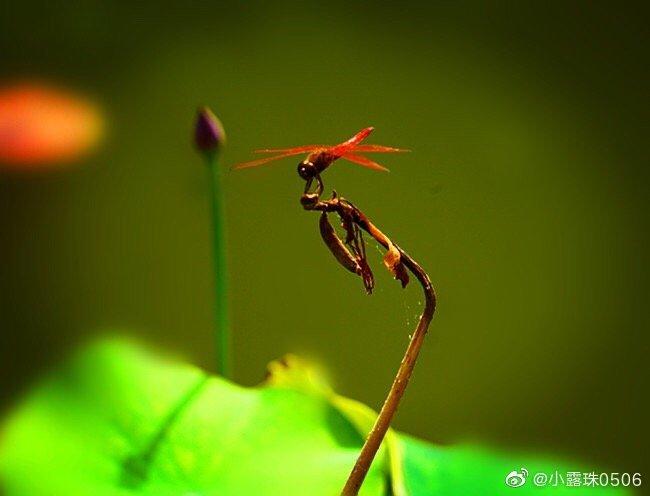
396	260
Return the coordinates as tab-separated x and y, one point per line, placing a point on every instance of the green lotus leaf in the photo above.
118	420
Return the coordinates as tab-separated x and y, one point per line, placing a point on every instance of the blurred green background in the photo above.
525	197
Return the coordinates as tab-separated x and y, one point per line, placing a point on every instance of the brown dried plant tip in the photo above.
209	134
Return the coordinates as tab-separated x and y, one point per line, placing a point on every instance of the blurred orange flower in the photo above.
41	126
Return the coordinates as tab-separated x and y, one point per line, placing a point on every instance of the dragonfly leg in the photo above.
310	197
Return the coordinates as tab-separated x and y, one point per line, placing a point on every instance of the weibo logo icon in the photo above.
516	478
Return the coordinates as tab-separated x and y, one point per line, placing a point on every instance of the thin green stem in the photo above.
221	314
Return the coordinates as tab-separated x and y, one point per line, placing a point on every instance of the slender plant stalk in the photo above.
382	423
209	137
221	314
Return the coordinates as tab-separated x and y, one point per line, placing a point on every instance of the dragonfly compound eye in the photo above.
306	170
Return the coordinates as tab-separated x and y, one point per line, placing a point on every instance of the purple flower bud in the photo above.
208	133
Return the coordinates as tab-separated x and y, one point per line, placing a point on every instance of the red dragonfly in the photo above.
320	157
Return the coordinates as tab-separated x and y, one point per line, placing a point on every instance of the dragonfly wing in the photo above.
346	146
297	149
364	162
262	161
378	149
342	150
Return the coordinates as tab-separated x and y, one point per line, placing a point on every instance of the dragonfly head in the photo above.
307	170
